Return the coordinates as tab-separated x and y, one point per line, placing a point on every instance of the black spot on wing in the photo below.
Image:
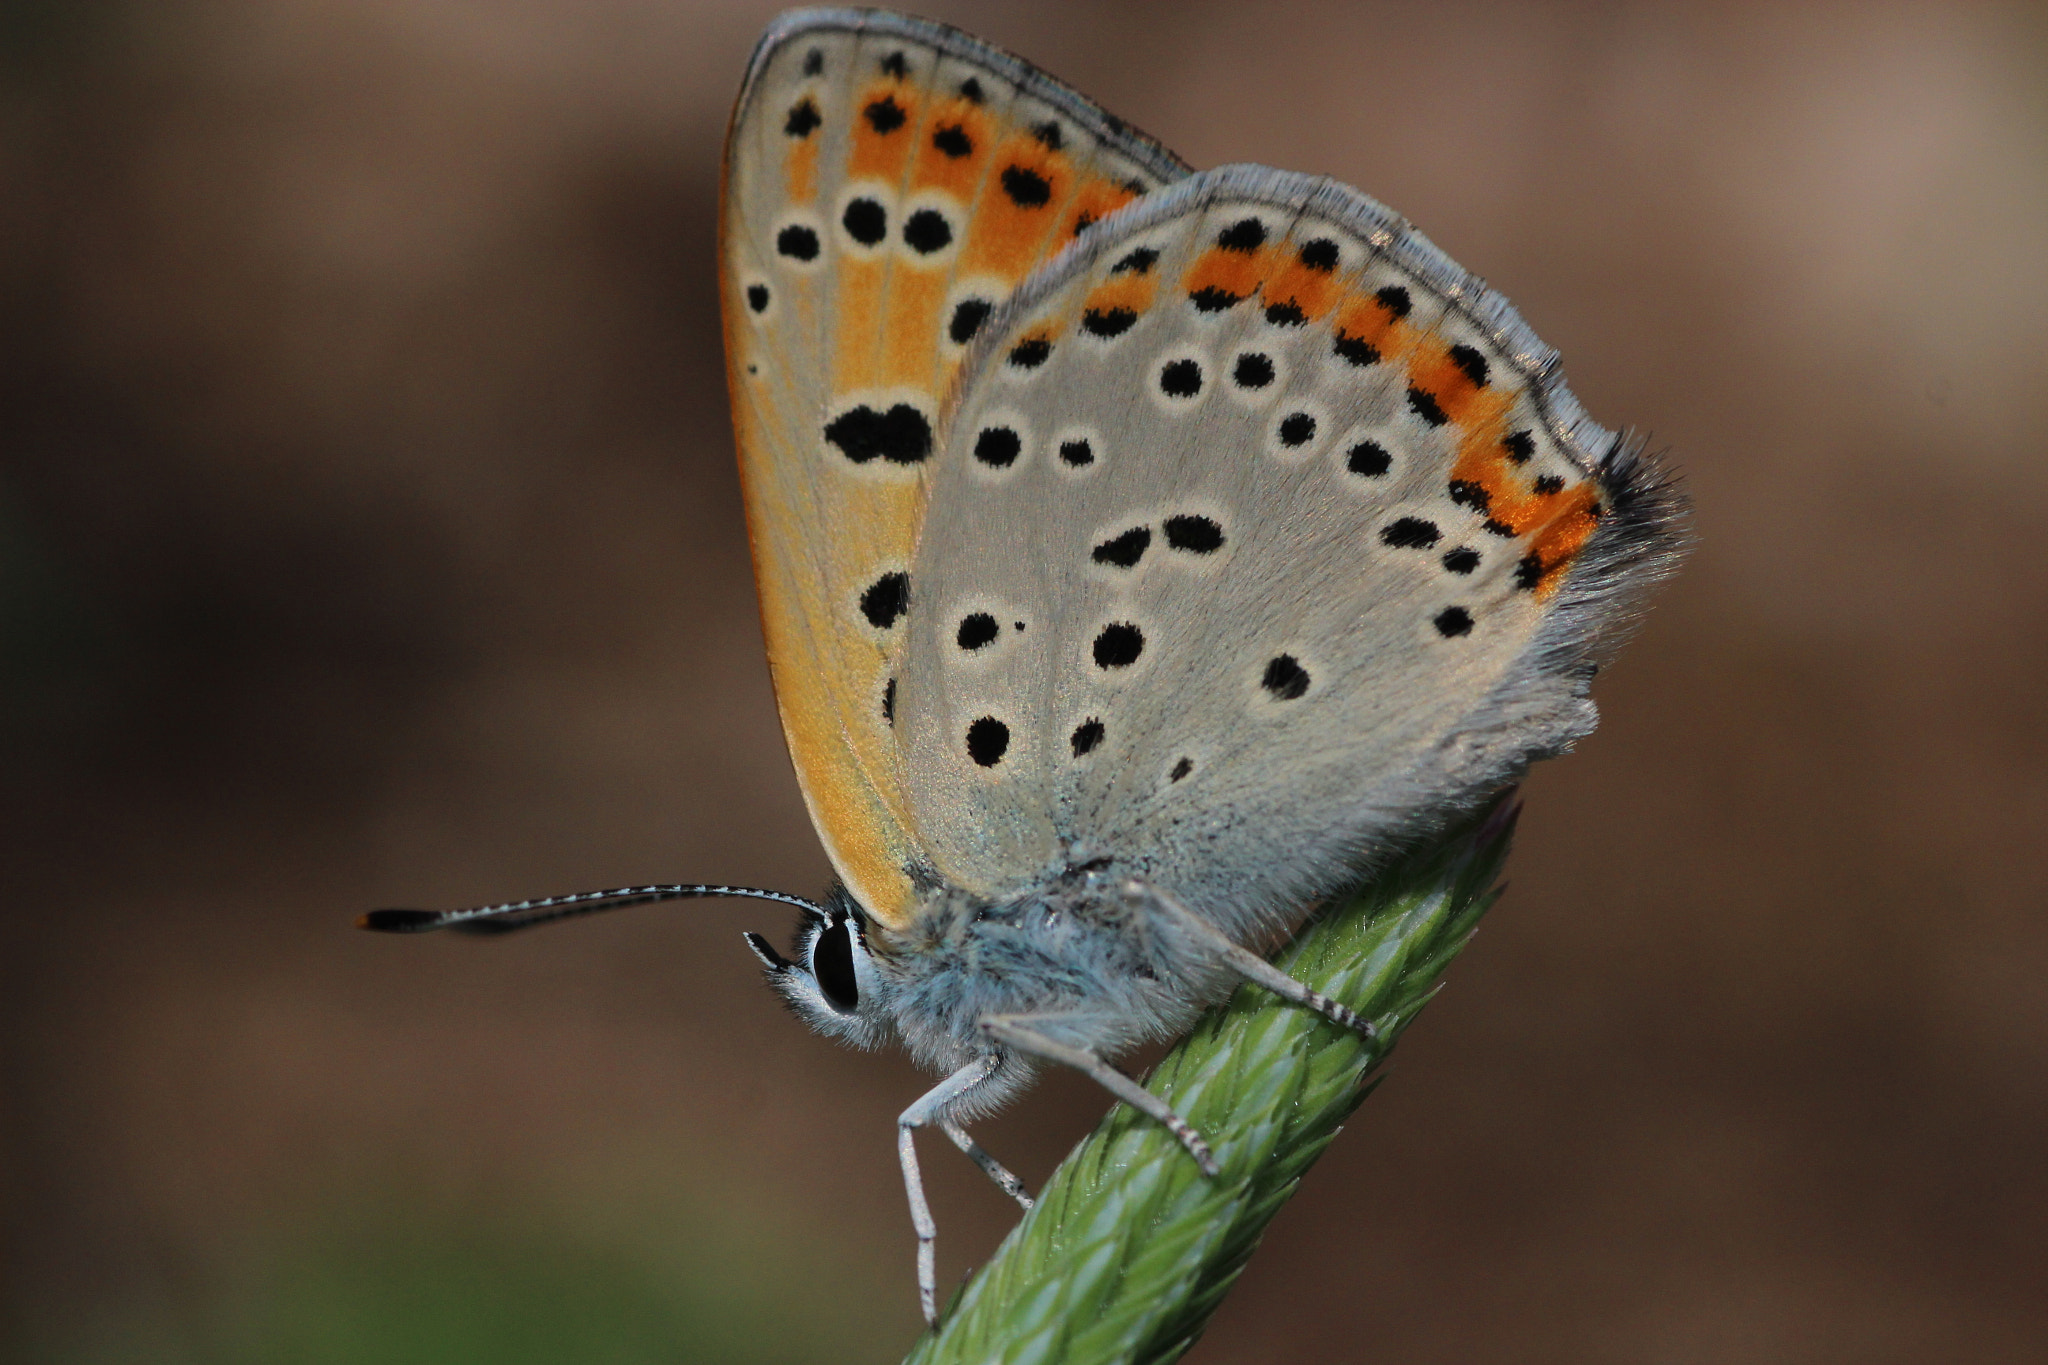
803	118
1319	255
927	231
1118	645
1424	405
1245	235
1252	370
968	315
884	115
1181	378
1087	735
1107	322
797	242
1125	550
886	599
1027	188
901	435
998	447
1368	459
1468	494
1193	534
1285	678
977	630
1471	362
988	739
865	220
1030	353
1410	533
1356	350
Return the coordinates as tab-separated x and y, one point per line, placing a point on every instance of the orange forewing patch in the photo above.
910	330
800	169
953	149
884	121
1095	200
857	341
1017	209
837	782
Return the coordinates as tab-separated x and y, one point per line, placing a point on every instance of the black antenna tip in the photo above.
400	921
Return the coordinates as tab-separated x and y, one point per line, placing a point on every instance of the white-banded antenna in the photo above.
515	915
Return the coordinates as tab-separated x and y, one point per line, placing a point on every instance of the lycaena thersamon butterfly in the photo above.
1144	556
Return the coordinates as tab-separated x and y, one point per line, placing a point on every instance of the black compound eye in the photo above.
832	966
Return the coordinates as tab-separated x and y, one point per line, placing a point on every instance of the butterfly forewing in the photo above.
1257	529
888	184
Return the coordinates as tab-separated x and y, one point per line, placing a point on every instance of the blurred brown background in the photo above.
369	535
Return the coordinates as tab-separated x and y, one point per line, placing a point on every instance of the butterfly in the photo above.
1144	556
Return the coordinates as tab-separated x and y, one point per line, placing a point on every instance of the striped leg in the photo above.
1251	966
924	1113
990	1167
1014	1031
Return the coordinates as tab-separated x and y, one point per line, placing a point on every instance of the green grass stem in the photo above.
1130	1248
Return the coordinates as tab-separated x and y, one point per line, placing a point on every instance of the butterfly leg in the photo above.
990	1167
924	1113
1251	966
1013	1031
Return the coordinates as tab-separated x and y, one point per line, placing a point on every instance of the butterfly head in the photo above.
833	983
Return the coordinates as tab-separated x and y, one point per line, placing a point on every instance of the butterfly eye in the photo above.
832	966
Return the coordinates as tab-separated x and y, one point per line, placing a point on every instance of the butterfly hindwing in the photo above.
888	183
1258	529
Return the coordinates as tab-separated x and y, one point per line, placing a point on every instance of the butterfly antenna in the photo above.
515	915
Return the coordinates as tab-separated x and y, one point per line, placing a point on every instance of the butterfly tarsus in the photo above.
990	1167
1012	1031
1251	966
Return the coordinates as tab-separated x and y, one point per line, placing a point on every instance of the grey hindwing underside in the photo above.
1198	589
